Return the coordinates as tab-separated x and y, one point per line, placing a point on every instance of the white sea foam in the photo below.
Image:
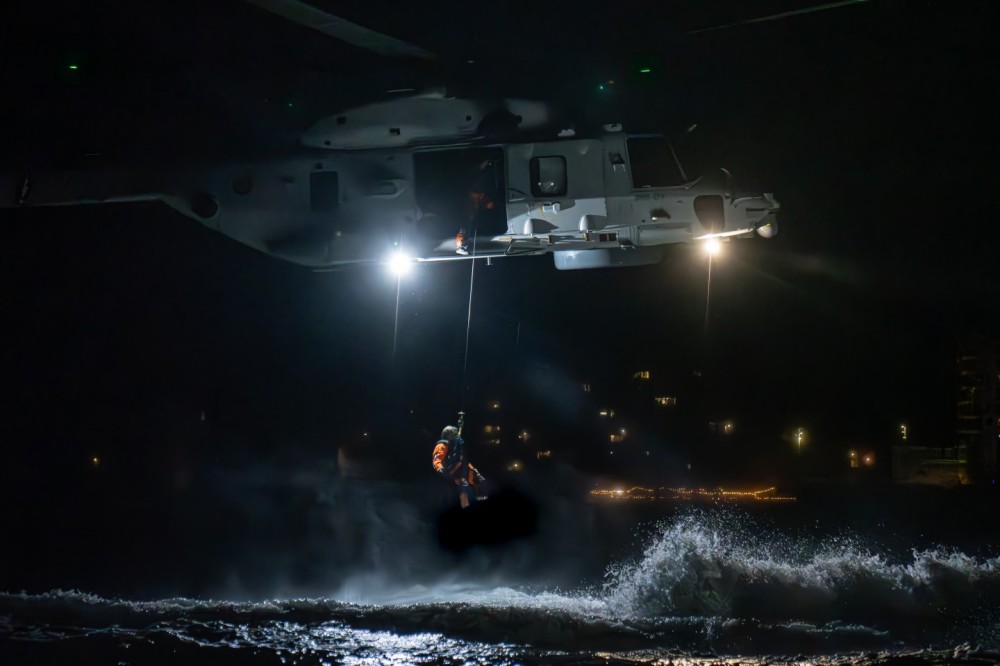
707	578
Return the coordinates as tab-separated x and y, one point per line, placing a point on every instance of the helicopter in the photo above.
424	175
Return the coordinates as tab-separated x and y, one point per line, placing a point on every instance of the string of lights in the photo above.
691	494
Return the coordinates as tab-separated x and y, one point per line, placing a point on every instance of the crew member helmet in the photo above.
450	433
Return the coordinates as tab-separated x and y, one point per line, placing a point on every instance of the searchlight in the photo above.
400	264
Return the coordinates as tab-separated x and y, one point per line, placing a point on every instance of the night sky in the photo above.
167	351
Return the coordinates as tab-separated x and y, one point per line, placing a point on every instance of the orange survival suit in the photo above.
449	461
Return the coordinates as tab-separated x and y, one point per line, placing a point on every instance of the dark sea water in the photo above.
703	586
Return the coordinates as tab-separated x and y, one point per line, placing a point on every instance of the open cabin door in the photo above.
459	189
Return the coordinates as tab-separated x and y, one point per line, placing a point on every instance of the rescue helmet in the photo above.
450	433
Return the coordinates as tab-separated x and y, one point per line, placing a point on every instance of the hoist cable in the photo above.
468	320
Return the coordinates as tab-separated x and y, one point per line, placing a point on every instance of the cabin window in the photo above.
324	191
548	176
653	163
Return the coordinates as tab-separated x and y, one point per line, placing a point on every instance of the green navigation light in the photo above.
645	70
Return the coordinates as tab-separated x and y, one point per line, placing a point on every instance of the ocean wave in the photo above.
502	618
708	580
722	563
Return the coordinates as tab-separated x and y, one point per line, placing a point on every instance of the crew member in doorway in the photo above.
484	189
450	462
482	205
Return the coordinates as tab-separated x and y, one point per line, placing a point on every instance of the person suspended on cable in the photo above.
449	460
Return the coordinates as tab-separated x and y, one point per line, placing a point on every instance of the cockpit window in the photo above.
653	163
548	176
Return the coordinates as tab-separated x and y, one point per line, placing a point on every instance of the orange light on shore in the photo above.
692	494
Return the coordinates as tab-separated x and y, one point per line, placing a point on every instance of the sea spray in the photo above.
709	580
725	563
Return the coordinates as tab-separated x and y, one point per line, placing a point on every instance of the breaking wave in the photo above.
723	564
706	582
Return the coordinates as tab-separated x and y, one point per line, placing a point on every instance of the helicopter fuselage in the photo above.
609	200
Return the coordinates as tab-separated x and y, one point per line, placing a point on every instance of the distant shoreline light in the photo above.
692	494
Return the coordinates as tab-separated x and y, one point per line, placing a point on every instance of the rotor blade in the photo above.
775	17
334	26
